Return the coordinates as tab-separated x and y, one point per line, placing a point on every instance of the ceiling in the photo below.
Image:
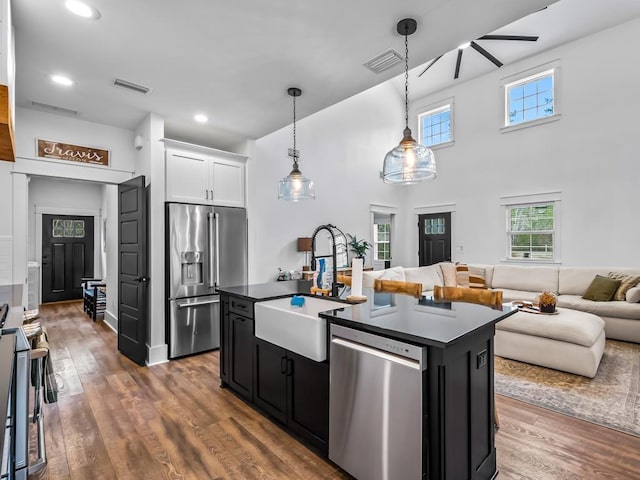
233	61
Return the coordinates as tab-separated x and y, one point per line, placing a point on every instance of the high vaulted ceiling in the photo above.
233	61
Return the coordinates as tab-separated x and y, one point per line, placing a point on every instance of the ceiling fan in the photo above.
479	49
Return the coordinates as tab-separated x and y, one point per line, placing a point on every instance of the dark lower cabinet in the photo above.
294	390
291	388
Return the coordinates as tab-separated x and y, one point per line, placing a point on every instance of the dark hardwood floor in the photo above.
116	420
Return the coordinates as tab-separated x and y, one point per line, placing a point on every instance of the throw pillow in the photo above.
627	281
448	274
633	295
462	275
601	289
395	274
477	277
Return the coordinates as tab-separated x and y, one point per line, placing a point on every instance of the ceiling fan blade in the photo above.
521	38
489	57
458	61
431	64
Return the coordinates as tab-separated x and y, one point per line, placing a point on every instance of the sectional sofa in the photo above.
571	341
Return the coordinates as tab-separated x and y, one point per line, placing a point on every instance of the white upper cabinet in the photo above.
203	175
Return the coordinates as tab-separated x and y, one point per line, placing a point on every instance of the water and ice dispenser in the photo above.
191	268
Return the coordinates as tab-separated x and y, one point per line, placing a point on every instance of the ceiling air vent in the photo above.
118	82
384	61
53	109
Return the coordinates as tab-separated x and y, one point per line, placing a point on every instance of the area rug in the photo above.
611	398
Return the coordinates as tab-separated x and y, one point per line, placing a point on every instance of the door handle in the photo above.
141	279
289	367
283	365
206	194
210	220
198	304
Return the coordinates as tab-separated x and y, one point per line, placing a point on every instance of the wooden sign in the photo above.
72	153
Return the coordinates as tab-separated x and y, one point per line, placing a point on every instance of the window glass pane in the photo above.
68	228
530	88
436	127
526	100
57	228
78	227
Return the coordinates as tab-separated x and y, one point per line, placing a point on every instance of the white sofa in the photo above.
622	318
572	341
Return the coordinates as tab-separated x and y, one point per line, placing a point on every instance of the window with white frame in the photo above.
531	97
382	241
436	125
531	231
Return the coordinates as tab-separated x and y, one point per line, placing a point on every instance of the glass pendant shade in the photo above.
295	187
409	162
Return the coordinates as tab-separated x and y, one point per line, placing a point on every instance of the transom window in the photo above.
436	125
435	226
67	228
382	241
531	231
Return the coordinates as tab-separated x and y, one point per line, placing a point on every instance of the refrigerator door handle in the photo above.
210	217
197	304
217	218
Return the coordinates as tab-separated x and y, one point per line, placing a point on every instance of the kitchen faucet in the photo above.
329	228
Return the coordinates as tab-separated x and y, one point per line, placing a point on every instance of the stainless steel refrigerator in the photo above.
206	248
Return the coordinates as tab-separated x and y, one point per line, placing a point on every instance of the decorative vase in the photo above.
547	308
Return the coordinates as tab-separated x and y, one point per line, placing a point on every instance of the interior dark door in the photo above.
434	238
67	256
132	269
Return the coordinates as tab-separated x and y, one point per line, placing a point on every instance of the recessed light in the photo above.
61	80
464	45
82	9
200	118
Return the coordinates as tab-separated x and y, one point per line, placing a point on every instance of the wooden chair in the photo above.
94	296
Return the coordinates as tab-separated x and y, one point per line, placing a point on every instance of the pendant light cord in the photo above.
295	154
406	80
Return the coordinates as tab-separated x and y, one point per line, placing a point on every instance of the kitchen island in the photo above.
457	402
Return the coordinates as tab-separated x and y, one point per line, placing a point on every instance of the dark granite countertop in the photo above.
420	321
404	317
269	291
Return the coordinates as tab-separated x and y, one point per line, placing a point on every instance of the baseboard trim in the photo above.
157	354
111	321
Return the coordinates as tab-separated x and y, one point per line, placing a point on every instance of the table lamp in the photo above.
304	245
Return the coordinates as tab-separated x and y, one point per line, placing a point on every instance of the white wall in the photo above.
110	212
342	149
30	125
589	155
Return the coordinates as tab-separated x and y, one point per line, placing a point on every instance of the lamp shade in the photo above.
409	162
304	244
295	187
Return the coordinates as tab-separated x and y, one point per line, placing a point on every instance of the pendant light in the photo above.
409	162
295	187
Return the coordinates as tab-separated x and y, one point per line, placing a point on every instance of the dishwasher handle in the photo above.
404	361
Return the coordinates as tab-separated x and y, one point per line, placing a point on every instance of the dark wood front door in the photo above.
67	256
132	270
434	237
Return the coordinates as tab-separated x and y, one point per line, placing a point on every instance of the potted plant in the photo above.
547	302
358	247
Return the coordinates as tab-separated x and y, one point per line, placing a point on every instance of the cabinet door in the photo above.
308	398
228	183
241	355
188	178
270	381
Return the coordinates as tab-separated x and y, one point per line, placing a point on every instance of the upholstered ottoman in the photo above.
571	341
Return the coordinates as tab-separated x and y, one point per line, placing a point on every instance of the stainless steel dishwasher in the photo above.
375	405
